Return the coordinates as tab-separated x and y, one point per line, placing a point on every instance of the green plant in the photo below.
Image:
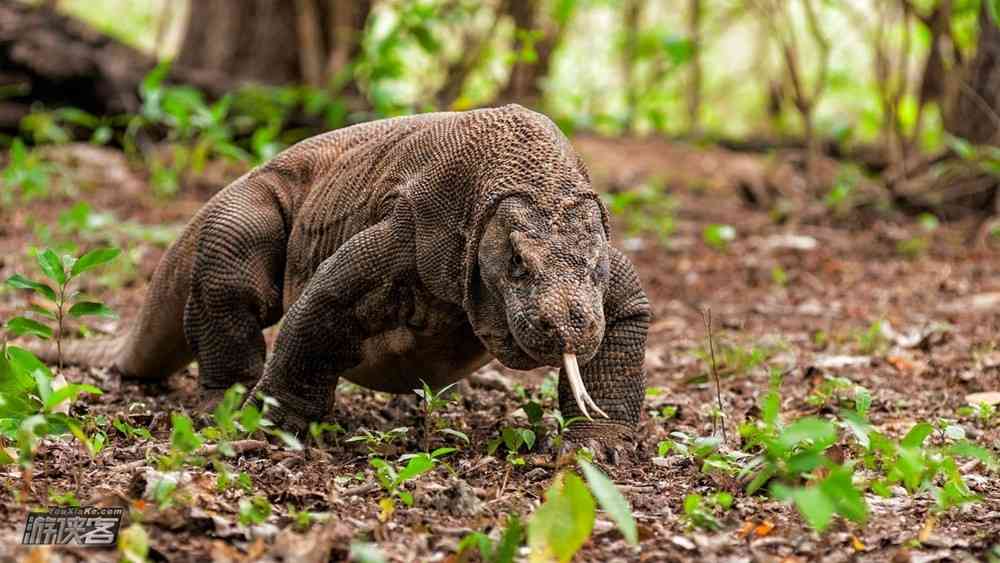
33	407
733	358
502	551
27	172
872	340
433	401
514	439
393	479
646	209
702	512
318	429
61	271
133	543
378	441
562	524
719	236
254	510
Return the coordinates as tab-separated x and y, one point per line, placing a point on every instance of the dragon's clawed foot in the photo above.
610	442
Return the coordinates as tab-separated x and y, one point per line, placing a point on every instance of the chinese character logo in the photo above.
80	526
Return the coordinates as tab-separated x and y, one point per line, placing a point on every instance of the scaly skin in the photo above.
399	250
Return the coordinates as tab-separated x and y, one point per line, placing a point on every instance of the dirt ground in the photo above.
807	289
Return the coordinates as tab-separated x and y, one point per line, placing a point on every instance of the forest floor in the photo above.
908	312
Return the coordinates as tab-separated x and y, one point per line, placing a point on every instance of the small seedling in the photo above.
61	271
433	401
719	236
514	439
393	479
702	512
378	441
254	510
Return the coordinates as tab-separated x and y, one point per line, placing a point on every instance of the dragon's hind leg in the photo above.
235	287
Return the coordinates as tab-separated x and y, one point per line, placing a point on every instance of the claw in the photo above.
580	394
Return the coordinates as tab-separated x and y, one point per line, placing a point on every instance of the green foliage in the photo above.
872	340
393	479
646	209
561	525
611	500
733	358
378	441
25	172
434	401
502	551
254	510
702	512
514	440
719	236
133	544
318	429
55	269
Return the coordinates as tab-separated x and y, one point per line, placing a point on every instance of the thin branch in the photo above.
707	317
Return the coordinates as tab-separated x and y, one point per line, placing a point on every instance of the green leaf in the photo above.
91	308
254	510
916	436
562	524
858	426
820	432
18	281
452	432
69	392
611	500
815	506
849	501
93	259
965	448
415	467
20	326
511	539
52	266
182	436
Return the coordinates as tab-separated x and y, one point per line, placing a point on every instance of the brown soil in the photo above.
840	276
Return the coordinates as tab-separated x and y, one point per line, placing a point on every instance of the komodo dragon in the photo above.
394	251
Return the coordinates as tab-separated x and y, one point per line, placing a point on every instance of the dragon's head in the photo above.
541	281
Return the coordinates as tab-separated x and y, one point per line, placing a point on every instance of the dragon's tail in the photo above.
100	352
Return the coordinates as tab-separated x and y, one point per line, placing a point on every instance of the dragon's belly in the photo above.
396	361
413	336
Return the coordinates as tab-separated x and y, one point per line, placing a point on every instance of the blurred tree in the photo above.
974	114
275	41
539	29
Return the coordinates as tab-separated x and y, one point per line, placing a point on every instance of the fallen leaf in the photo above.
764	529
927	529
745	529
857	544
902	365
388	507
987	397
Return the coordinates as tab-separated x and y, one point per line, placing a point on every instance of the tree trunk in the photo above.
975	111
274	41
57	60
524	84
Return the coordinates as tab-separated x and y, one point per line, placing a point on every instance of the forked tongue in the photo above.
580	394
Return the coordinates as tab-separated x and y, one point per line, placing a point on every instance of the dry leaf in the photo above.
902	365
745	529
764	529
988	397
857	544
927	529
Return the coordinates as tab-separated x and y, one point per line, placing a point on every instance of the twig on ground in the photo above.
707	316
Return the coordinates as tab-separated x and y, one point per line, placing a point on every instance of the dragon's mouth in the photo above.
571	367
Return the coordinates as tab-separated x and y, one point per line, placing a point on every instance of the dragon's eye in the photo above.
517	268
